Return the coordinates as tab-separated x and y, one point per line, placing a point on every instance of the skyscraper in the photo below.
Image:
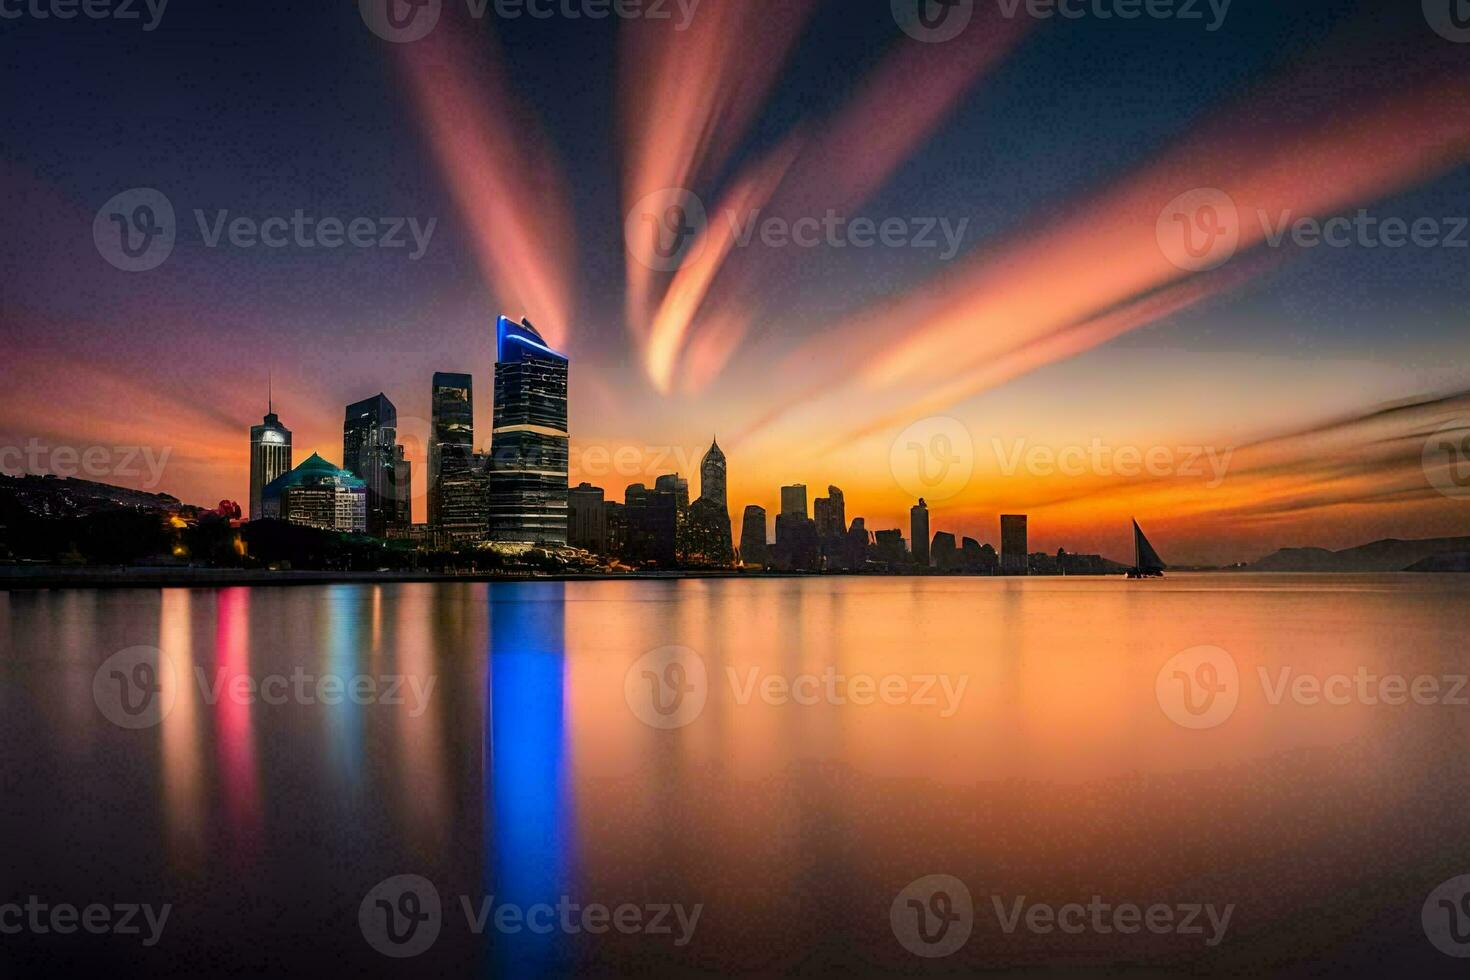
270	456
369	452
1013	544
529	457
587	518
402	489
712	477
919	532
451	438
793	500
753	549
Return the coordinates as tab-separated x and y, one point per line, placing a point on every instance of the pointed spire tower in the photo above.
712	476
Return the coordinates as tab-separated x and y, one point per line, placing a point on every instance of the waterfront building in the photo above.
1013	544
753	547
270	456
919	532
318	494
587	518
530	451
369	452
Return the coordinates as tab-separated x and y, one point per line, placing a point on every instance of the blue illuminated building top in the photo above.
516	341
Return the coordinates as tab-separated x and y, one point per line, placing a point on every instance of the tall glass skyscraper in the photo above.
270	457
531	444
369	452
451	442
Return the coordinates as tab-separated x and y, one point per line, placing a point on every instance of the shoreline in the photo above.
35	578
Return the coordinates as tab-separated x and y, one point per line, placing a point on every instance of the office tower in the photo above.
402	489
616	519
859	543
587	518
369	452
753	549
837	510
712	477
829	514
944	552
318	494
464	499
797	547
890	549
919	532
652	526
451	439
972	557
678	486
270	456
793	500
707	539
1013	544
529	455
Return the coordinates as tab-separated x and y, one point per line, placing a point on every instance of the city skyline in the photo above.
1058	308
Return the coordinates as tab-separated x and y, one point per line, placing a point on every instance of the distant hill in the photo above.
1454	561
1389	555
49	496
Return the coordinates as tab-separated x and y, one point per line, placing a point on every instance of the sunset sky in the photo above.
1312	375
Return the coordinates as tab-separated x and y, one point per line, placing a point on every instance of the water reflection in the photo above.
527	799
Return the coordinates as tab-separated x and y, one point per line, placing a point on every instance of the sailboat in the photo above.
1146	561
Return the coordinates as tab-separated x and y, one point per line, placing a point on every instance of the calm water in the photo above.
788	760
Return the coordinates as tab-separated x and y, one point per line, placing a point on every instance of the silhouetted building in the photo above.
529	457
859	544
945	555
919	532
270	456
616	521
402	491
318	494
451	440
587	518
1013	544
707	535
797	548
652	525
677	485
793	500
890	549
712	477
369	452
973	558
753	547
1040	563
